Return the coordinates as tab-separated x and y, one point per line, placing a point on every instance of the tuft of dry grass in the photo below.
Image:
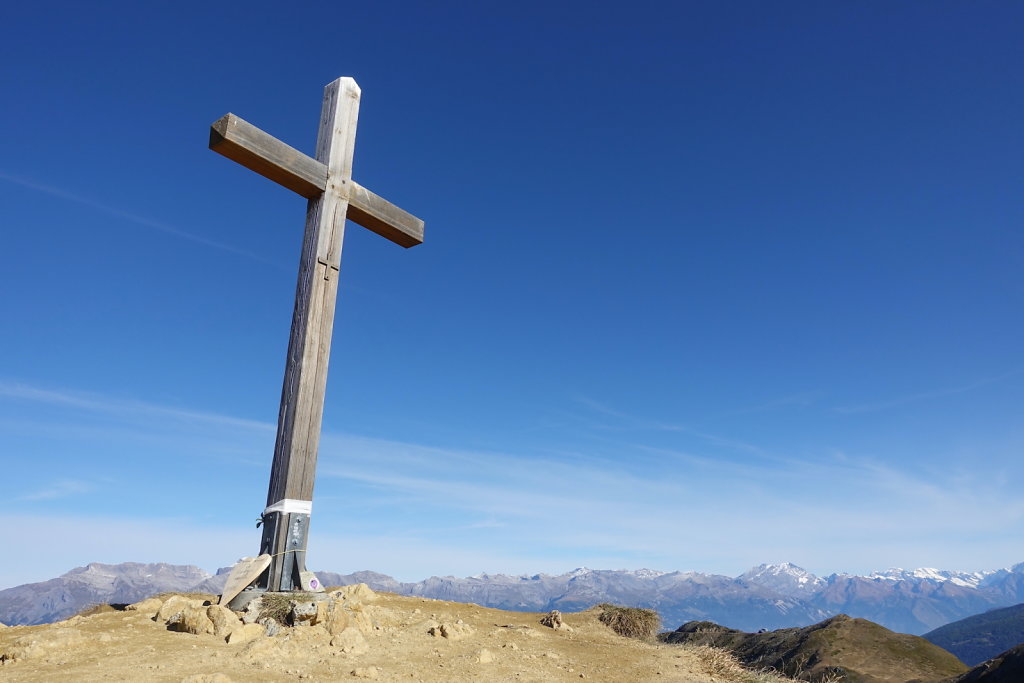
715	661
631	622
278	606
722	663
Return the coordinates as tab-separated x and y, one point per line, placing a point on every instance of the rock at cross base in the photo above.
270	625
224	620
303	613
193	620
252	611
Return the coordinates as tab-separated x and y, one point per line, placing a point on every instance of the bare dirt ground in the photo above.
385	637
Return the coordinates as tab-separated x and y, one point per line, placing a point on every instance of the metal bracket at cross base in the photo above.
285	533
284	536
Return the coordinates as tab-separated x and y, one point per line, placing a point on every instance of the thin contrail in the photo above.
140	220
100	403
926	395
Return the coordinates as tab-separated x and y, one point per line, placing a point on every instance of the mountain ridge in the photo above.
857	650
769	596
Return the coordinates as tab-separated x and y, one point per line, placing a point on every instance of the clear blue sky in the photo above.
705	285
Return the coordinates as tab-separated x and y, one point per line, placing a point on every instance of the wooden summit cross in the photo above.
333	196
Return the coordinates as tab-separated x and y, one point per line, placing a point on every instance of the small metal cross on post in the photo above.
333	196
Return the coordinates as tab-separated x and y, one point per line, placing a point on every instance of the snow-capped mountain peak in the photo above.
785	578
965	579
646	573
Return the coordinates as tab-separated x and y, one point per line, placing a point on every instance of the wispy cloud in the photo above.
106	404
639	504
485	524
800	400
134	218
624	420
694	503
616	420
58	489
926	395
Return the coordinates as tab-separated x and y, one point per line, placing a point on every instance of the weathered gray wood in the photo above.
383	217
261	152
245	571
333	196
309	347
258	151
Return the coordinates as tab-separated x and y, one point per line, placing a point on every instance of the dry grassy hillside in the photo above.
381	637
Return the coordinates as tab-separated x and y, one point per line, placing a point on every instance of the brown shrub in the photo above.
631	622
278	606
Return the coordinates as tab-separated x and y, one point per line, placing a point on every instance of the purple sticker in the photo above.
314	584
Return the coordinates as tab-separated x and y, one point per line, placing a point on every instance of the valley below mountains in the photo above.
770	596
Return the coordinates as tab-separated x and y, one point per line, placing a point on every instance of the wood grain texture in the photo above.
383	217
243	142
261	152
309	345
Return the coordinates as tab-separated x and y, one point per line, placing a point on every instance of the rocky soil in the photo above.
362	635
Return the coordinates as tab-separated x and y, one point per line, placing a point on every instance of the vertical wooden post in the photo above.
290	495
327	182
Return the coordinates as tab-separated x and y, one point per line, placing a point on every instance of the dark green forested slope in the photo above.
981	636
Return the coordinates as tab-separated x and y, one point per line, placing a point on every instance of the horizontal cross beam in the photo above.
261	152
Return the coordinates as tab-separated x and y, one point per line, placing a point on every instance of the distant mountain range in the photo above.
60	598
769	596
